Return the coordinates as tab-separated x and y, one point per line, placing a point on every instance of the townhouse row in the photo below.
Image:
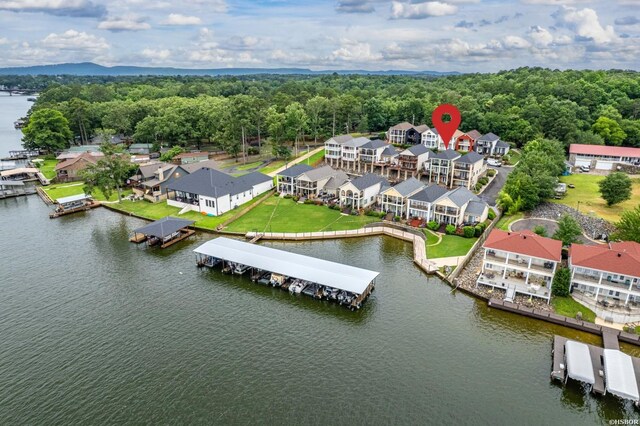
605	278
408	134
408	199
448	167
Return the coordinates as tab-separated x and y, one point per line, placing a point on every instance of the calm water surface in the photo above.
96	330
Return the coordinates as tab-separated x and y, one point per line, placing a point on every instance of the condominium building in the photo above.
394	199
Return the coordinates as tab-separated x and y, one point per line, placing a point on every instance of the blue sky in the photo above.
445	35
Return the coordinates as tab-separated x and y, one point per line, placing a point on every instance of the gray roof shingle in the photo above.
476	207
357	142
417	150
490	137
320	173
374	144
214	183
470	157
461	195
429	194
448	154
368	180
408	187
340	139
295	170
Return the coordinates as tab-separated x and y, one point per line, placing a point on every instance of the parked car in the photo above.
494	163
585	169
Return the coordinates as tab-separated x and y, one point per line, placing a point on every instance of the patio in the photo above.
518	284
609	308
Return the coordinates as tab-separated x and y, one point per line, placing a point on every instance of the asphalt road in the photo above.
490	194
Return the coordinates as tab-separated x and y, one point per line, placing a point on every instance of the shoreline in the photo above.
516	308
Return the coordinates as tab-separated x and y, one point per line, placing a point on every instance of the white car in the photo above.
493	162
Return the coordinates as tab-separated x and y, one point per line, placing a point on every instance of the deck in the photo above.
559	367
85	208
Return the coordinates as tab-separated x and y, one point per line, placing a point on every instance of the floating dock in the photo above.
164	232
348	285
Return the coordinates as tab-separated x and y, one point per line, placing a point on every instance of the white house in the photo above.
394	199
312	183
213	192
441	166
351	152
430	138
606	278
371	152
286	179
460	207
361	192
467	169
333	148
490	144
520	262
422	203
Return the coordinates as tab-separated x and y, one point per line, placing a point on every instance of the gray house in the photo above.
286	179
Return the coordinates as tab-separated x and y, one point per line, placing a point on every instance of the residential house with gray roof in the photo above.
467	169
490	144
361	192
152	179
333	149
311	183
441	166
394	199
351	152
286	179
459	207
422	203
213	192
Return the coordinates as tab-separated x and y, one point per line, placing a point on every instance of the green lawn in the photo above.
505	220
431	237
514	156
568	307
451	245
587	193
273	166
47	168
315	158
249	166
61	190
284	215
156	211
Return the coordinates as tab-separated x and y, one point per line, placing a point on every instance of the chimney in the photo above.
160	174
619	254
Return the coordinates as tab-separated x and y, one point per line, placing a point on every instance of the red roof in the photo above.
615	151
621	258
526	243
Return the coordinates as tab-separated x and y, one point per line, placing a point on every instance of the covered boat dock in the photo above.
15	188
579	365
348	285
73	204
163	232
619	374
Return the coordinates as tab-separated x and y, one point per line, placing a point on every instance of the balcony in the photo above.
518	284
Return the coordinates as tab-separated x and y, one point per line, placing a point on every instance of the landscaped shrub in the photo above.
478	186
468	231
482	225
491	172
483	180
561	282
540	230
354	213
296	198
478	230
288	196
397	219
276	194
491	215
433	225
307	201
450	229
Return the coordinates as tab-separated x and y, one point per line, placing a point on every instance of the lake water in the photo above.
11	108
96	330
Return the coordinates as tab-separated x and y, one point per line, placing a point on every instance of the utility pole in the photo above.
244	152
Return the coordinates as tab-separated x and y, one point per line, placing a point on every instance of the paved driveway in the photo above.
490	194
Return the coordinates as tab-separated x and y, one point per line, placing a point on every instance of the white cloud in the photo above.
540	36
125	23
515	42
556	2
354	51
586	24
156	54
355	6
80	8
179	19
421	10
4	40
75	40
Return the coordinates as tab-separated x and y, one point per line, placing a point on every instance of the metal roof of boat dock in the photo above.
324	272
164	227
73	198
619	375
579	366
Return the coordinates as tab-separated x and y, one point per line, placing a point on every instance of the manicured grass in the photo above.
315	158
514	157
568	307
284	215
154	211
431	238
273	166
47	168
451	245
505	220
249	166
61	190
587	193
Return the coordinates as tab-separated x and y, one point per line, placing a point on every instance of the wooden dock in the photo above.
186	233
610	340
56	214
138	238
560	367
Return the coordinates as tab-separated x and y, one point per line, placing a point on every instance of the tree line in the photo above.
594	107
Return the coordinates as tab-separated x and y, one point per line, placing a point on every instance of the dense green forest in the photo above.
596	107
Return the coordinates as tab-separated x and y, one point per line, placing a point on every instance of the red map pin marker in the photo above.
446	130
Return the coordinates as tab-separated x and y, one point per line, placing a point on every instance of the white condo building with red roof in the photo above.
606	278
520	263
602	157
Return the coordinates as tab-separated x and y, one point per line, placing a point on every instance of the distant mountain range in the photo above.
89	68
